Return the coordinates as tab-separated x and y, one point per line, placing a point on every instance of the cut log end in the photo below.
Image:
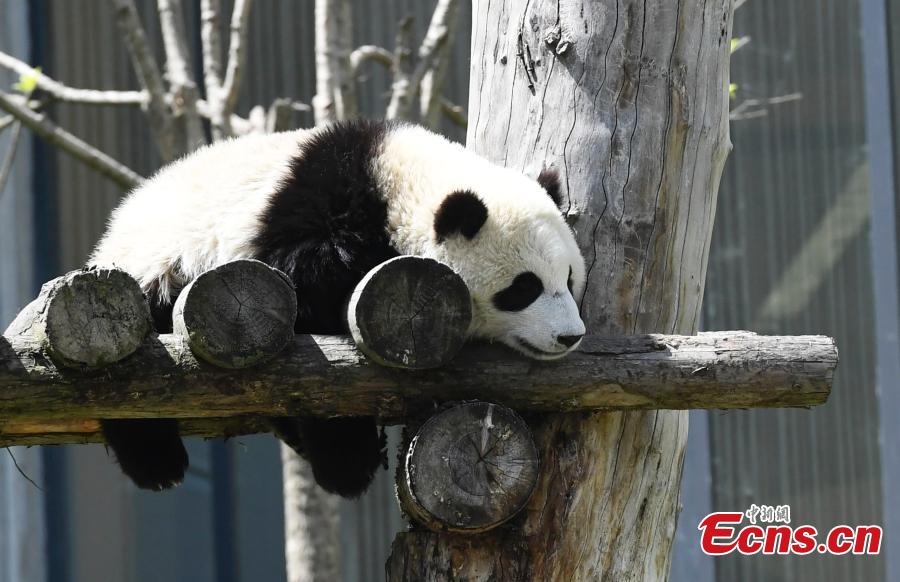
468	469
410	312
237	315
87	318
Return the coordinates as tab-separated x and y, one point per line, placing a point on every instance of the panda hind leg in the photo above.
149	451
344	453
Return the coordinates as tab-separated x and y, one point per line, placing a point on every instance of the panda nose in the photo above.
569	340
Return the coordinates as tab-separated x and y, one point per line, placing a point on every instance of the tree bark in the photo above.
311	526
237	315
410	312
468	469
335	98
147	71
86	319
444	21
183	91
629	101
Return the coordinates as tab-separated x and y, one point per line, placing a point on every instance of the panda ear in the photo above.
549	181
462	212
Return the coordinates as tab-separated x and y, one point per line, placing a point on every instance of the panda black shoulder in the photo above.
325	224
331	171
344	148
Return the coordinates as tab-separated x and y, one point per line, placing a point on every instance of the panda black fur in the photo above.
325	206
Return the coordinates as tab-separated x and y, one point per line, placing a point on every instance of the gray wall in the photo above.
791	254
21	508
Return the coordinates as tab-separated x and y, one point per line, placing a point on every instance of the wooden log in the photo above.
328	376
237	315
86	319
410	312
468	469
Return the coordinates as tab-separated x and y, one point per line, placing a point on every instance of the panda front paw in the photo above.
149	451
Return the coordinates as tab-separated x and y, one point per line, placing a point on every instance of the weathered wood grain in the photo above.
328	376
410	312
86	318
468	469
628	99
237	315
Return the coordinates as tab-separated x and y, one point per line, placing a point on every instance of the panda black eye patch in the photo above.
523	291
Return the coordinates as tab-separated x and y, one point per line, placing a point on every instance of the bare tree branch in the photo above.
148	75
444	22
323	101
257	119
370	52
222	95
454	113
84	152
69	94
6	168
346	81
435	38
335	83
210	11
183	88
239	125
237	53
278	118
115	98
753	108
400	89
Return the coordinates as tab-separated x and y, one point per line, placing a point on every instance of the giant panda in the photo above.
325	206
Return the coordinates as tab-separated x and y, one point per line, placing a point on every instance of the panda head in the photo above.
509	242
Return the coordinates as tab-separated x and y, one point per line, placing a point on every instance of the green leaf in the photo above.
739	42
28	82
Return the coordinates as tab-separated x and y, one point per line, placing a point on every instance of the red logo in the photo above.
722	533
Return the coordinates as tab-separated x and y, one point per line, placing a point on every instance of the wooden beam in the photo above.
86	431
328	376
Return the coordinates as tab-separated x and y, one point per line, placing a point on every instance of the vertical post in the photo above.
311	526
629	101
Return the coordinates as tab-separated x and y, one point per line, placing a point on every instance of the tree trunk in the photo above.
629	101
311	528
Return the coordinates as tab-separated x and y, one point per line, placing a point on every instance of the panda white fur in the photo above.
325	206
